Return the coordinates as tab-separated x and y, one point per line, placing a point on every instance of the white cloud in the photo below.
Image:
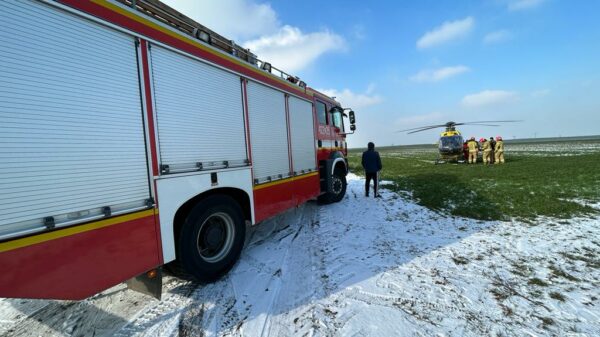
540	93
497	36
518	5
448	31
354	100
489	98
256	26
234	19
291	50
440	74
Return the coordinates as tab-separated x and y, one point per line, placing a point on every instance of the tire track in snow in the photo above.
333	265
101	315
179	294
16	312
288	321
277	288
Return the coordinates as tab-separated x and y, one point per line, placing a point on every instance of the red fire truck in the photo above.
132	136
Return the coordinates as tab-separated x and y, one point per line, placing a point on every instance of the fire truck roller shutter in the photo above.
71	124
199	113
302	135
268	132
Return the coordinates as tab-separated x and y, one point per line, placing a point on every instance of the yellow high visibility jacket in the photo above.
486	146
472	145
499	146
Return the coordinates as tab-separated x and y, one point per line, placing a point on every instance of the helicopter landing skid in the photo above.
449	160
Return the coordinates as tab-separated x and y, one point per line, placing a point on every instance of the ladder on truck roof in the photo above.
168	15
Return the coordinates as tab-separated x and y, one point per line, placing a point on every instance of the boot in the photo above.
377	195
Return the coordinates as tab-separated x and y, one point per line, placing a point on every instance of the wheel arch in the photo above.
238	195
336	160
339	163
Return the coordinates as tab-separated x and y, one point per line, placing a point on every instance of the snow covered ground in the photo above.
362	267
562	149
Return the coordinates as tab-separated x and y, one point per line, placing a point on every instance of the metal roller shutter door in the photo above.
71	124
199	113
302	135
268	132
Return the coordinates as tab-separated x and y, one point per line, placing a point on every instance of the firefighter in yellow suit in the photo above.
473	147
486	147
499	150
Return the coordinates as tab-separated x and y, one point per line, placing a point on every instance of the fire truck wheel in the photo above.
212	238
338	188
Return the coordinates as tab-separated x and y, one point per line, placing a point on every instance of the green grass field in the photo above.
538	179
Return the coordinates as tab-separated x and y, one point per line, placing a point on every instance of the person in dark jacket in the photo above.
371	162
493	144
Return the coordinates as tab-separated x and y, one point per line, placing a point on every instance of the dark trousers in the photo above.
369	176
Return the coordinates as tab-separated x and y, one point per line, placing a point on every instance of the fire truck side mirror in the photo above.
351	117
352	127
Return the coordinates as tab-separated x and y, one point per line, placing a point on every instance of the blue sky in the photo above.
402	64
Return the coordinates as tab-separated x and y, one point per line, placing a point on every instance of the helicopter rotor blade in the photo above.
423	127
477	124
452	124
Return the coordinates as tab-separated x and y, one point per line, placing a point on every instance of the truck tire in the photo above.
338	188
212	238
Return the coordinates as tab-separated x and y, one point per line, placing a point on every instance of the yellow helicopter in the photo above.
450	144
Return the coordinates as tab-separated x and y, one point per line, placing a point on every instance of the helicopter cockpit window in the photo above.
451	142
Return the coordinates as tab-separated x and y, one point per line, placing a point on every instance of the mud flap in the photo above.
148	283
